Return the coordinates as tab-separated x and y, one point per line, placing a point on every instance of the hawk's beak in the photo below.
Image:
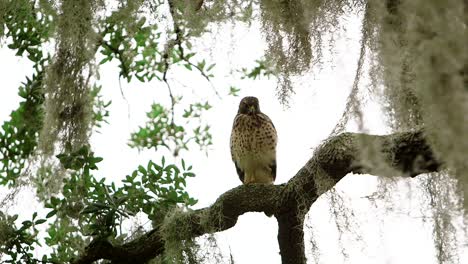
252	109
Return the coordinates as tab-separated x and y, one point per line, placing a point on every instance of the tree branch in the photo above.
291	237
408	154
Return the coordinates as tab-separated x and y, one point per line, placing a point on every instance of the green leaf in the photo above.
234	91
105	60
97	159
210	67
26	224
202	64
188	174
40	221
54	201
142	169
51	213
90	209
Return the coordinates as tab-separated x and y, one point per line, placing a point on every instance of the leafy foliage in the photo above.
18	243
263	68
18	137
162	131
90	207
142	52
27	27
137	49
100	112
87	206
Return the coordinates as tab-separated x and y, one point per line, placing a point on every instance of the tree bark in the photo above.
291	238
408	154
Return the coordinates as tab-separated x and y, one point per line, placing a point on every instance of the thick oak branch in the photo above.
220	216
407	154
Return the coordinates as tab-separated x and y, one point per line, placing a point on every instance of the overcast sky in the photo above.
379	236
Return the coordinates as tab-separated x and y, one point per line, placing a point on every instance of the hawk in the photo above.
253	143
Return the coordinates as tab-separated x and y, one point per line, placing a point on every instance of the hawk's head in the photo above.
249	106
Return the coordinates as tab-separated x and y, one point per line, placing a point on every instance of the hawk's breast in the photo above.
253	142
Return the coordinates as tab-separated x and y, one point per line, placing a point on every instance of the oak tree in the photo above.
415	52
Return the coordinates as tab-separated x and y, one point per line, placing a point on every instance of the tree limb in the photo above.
408	154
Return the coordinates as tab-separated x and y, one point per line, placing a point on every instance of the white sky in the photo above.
395	236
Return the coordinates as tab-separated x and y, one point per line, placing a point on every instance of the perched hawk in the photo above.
253	143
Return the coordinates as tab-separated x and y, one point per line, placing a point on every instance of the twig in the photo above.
178	41
164	78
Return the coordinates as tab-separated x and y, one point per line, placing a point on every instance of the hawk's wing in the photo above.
266	118
240	172
273	169
273	164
